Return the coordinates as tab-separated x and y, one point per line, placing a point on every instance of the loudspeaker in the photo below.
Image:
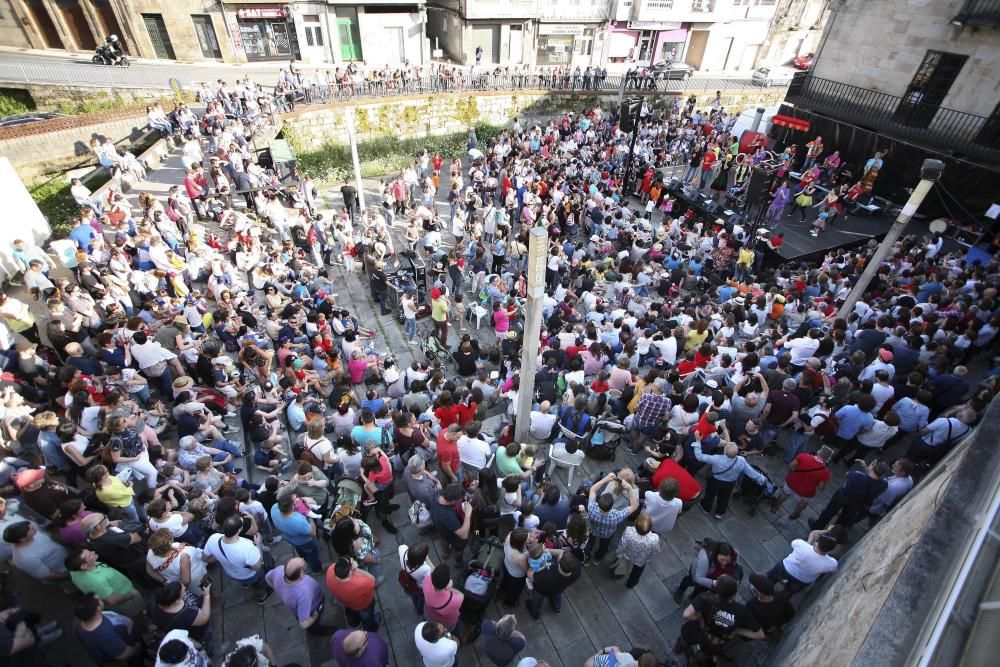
630	113
760	180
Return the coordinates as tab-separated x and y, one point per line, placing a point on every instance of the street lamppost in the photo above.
538	246
930	173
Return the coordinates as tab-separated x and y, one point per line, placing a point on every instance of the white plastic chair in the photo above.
562	463
479	313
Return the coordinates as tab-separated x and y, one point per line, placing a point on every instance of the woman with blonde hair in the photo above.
168	561
638	545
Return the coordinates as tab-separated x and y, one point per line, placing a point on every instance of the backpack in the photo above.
829	425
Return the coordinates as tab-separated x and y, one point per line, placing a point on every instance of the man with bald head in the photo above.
359	648
726	470
301	594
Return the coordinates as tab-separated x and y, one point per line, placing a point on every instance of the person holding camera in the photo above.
604	519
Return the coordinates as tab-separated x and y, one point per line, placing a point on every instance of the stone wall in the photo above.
450	113
880	45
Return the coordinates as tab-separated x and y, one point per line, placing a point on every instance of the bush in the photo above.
57	204
14	101
380	155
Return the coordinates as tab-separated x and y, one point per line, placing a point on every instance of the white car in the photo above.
768	76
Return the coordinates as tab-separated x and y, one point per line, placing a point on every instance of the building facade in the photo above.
313	31
571	32
709	35
504	30
795	30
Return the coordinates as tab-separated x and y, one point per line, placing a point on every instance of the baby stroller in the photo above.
752	493
604	440
434	349
480	583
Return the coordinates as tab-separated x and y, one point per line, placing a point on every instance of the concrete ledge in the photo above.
889	585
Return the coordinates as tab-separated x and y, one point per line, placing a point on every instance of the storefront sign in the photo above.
653	25
552	29
263	13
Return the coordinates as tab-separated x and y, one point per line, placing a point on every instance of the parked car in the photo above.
803	62
25	118
672	69
768	76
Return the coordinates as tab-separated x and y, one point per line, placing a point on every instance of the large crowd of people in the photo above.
196	392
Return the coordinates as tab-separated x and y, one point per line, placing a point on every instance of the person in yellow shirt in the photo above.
439	314
744	263
112	491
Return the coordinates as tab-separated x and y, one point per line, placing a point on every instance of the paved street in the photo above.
599	611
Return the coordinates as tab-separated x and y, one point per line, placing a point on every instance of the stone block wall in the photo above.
451	113
880	45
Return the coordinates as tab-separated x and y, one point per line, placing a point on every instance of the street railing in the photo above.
156	76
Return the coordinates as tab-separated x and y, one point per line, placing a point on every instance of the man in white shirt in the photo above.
84	197
805	564
239	558
801	349
663	506
472	449
542	422
436	645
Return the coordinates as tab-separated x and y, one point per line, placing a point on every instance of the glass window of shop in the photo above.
555	49
268	39
671	50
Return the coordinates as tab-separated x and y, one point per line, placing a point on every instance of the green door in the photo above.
350	39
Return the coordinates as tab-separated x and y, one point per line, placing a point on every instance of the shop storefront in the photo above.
556	43
645	42
267	33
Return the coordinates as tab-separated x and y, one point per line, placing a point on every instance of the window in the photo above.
934	78
765	2
584	45
660	4
741	2
702	5
314	32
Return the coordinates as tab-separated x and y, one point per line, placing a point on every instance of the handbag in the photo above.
406	579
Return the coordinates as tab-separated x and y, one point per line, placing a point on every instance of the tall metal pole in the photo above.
538	246
631	152
929	174
349	113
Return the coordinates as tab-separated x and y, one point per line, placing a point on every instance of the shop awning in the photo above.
791	123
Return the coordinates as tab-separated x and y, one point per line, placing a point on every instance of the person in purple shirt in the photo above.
302	595
359	648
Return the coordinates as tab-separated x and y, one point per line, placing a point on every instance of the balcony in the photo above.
979	12
945	130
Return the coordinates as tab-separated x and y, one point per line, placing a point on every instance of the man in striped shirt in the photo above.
726	471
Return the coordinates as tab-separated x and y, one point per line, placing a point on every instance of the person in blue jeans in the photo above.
297	530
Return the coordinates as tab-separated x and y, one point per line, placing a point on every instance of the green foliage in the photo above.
92	104
14	101
56	203
378	155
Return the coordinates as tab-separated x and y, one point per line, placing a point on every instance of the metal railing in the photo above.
87	75
946	129
156	76
510	82
979	12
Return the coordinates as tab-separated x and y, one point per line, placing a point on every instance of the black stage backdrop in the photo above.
975	187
